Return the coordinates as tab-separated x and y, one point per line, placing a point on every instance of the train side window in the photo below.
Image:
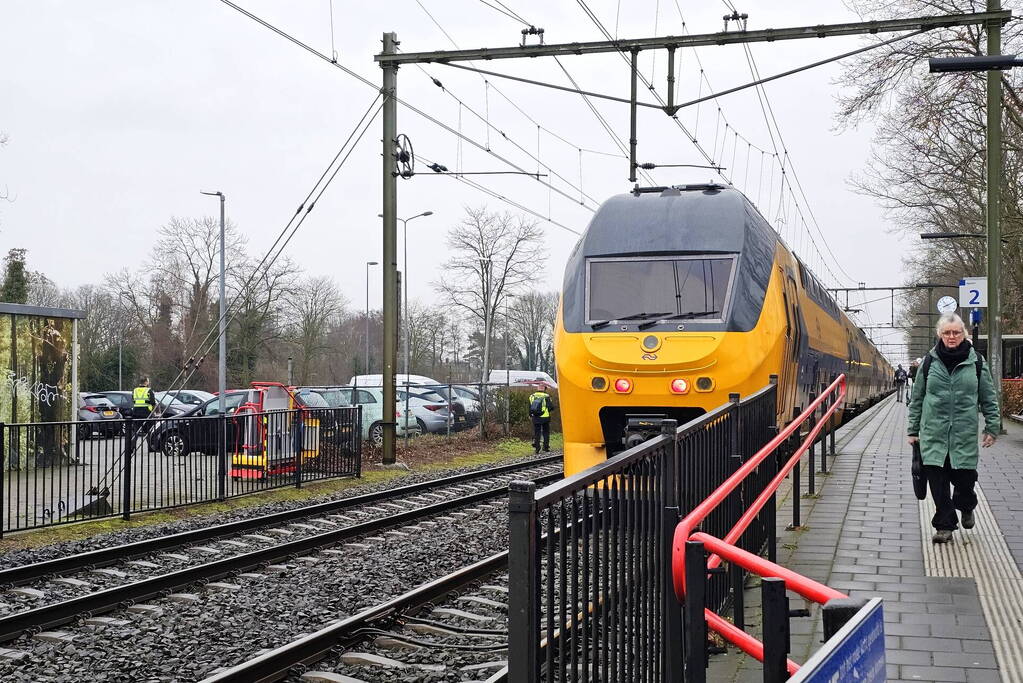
788	318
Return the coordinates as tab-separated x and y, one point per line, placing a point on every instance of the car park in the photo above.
97	415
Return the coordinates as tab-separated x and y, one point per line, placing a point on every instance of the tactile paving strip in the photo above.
981	553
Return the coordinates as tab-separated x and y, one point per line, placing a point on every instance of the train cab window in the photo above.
683	288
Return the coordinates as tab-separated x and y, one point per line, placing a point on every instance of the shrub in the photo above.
1012	397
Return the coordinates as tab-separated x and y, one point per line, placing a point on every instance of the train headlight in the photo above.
623	385
680	386
598	383
704	384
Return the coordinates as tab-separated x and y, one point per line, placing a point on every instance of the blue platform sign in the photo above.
854	654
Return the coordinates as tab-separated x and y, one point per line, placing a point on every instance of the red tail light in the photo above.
623	385
434	407
91	409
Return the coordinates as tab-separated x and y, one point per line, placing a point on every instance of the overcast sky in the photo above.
118	113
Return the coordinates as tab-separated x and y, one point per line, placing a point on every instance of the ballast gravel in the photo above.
192	640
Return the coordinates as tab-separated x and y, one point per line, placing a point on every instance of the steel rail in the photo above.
275	664
59	613
105	556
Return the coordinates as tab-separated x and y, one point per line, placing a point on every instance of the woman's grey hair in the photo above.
949	319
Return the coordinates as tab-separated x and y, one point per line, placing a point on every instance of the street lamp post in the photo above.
222	322
222	345
368	264
486	265
120	341
507	370
404	302
993	63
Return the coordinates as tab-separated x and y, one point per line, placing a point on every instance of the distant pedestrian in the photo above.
142	400
900	382
953	384
540	408
914	367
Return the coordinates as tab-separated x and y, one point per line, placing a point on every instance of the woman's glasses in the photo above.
952	333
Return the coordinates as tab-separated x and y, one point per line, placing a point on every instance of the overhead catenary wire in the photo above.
399	100
269	259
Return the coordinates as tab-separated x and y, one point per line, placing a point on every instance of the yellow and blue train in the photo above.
675	297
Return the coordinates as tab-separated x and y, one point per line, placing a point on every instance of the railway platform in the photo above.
952	612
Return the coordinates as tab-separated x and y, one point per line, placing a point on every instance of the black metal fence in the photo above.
446	409
590	557
58	472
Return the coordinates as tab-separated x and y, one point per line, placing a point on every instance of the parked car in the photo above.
191	397
471	399
190	434
465	413
399	379
122	399
431	410
372	401
96	414
522	378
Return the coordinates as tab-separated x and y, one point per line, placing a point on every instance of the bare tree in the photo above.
493	255
317	309
532	319
928	164
257	329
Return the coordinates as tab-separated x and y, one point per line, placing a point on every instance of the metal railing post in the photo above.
523	582
672	626
695	621
824	432
811	465
129	451
358	439
837	612
222	458
795	473
776	629
771	508
738	581
296	445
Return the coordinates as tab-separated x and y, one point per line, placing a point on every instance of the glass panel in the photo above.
669	287
364	397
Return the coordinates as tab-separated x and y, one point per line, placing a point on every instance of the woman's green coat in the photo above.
946	418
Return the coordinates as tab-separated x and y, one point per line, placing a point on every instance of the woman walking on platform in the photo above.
952	384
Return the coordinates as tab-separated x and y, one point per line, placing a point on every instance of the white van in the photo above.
521	378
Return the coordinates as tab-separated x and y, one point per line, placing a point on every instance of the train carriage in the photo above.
676	297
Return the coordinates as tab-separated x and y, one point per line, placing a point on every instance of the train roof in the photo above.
691	218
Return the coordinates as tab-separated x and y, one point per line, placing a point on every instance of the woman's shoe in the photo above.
942	536
967	519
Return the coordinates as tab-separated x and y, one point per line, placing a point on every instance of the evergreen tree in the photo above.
14	288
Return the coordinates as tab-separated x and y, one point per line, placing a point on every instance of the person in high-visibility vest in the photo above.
540	411
142	400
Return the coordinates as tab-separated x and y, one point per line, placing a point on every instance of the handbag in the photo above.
917	470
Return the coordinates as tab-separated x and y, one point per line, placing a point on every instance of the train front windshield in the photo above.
684	288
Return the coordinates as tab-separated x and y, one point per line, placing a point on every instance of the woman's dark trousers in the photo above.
945	504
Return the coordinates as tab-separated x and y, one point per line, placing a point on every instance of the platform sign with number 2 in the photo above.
973	292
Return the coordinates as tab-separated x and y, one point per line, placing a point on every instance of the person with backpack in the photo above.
953	384
900	382
540	408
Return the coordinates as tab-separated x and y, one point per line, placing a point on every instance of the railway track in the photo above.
455	625
282	546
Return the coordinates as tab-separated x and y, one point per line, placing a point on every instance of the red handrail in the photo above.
689	523
724	549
